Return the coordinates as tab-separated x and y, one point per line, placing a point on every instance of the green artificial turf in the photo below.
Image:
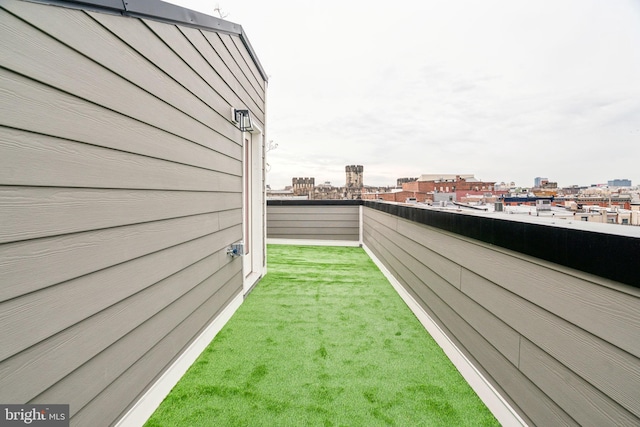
323	340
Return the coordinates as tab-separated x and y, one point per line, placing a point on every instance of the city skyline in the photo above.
507	91
341	182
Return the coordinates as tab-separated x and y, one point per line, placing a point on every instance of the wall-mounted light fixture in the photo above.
243	119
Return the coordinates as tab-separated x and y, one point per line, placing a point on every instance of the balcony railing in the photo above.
542	319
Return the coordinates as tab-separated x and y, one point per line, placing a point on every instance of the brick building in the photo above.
423	188
398	196
447	184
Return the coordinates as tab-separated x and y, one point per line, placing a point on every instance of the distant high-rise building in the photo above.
619	183
539	181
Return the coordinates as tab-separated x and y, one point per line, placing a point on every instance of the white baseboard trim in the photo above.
498	406
310	242
149	402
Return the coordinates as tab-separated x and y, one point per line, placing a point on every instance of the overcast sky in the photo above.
504	89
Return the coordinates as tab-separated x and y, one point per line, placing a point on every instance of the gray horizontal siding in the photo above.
40	160
46	59
162	337
28	373
320	222
36	212
556	342
120	190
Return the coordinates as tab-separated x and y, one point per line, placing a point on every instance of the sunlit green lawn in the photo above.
323	340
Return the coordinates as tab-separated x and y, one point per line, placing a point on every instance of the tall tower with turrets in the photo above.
354	176
354	184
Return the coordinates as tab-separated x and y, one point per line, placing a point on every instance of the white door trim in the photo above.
252	263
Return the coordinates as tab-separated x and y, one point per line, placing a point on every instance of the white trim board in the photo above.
310	242
149	402
498	406
361	225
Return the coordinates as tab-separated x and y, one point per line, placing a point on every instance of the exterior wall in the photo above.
309	220
418	186
559	344
120	190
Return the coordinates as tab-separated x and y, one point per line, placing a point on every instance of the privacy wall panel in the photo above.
120	190
557	342
313	222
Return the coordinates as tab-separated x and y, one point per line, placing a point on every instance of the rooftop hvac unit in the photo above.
498	206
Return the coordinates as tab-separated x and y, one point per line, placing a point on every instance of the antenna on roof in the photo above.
219	11
268	147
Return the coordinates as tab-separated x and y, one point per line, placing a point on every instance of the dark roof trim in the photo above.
108	6
164	12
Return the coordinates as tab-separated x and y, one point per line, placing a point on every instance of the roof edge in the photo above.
164	12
